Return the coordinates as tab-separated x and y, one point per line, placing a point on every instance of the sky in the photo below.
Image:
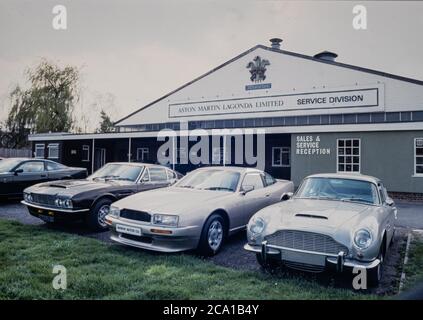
130	53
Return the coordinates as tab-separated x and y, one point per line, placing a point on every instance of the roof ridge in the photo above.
298	55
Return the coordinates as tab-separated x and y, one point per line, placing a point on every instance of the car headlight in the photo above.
27	197
114	211
63	203
256	225
362	239
68	203
165	219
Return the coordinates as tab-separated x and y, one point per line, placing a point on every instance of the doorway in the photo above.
99	158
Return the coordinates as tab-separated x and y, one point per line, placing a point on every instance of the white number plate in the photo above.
129	230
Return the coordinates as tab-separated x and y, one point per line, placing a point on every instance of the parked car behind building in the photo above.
90	198
198	212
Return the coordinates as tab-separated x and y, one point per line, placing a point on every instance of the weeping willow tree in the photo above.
46	106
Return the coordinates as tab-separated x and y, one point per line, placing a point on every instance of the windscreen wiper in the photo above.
218	188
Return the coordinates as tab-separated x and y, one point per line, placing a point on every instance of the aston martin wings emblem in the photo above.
258	68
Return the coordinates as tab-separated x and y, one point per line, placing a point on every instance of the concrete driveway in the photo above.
410	214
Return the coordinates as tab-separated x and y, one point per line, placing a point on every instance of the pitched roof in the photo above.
290	53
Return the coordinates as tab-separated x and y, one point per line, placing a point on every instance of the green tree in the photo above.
46	106
106	125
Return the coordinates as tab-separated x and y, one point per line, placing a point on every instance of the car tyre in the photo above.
212	236
96	217
375	274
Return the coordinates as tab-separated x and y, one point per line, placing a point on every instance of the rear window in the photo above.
269	179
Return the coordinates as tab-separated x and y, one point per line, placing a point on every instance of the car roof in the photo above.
140	164
351	176
231	168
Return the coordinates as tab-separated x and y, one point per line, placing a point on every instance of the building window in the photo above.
281	156
418	156
218	155
39	150
142	154
53	151
348	155
86	153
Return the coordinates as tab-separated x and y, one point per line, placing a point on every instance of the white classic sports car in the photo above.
338	220
198	212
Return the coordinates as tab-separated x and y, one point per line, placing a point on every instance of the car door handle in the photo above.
267	195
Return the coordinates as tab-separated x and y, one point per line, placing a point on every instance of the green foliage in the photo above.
414	268
47	105
98	270
106	125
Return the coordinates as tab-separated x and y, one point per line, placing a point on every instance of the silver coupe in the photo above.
198	212
333	220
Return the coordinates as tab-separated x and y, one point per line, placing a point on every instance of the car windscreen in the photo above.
338	189
8	164
117	172
218	180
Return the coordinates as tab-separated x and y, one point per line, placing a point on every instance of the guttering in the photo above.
371	127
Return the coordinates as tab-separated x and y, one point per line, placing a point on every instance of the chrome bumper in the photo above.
37	206
340	260
180	239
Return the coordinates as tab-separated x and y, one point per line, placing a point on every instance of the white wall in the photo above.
287	74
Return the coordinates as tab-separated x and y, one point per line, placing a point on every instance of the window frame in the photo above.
252	174
281	152
30	162
416	174
158	181
37	145
86	147
144	151
51	145
352	155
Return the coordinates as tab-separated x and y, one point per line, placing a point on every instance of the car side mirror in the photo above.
246	189
286	196
17	171
389	202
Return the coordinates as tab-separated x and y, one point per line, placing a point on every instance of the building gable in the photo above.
292	84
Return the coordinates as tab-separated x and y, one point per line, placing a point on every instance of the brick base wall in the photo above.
418	197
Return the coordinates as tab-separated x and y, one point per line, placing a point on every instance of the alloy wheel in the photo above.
215	235
102	213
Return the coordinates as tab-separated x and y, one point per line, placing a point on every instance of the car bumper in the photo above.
155	238
305	258
50	214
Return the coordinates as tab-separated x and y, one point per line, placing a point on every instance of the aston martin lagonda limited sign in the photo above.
363	97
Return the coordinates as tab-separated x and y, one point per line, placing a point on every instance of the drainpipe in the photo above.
173	153
92	162
129	150
224	150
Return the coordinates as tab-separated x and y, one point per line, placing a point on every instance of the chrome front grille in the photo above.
303	240
43	199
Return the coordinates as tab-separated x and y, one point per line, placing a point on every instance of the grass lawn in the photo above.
96	270
414	268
